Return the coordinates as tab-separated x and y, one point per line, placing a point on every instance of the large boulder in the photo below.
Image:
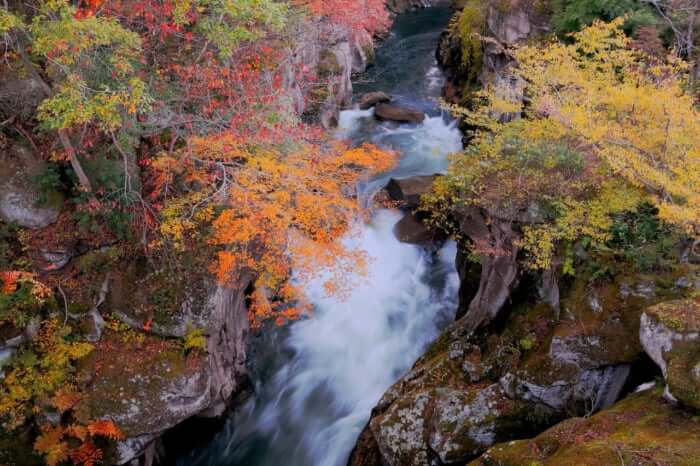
153	388
412	229
408	191
19	199
20	94
642	429
670	334
471	390
371	99
397	113
444	410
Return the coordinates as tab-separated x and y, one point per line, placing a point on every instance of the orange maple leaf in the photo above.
105	428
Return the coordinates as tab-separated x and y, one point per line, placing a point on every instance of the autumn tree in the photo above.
370	16
270	207
86	66
604	127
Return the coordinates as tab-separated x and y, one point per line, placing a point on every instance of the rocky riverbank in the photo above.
553	356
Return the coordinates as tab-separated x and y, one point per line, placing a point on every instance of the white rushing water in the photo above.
350	351
318	379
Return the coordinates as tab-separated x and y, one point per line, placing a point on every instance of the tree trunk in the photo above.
74	162
500	273
62	133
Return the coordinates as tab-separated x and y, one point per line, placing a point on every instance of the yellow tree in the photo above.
621	119
632	110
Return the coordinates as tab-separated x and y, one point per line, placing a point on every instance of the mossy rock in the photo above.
328	65
642	429
681	316
671	336
144	383
683	373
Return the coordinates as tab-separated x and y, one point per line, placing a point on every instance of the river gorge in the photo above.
317	381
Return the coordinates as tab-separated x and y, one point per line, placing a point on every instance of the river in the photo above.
317	380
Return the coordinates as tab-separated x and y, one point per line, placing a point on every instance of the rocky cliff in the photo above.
532	351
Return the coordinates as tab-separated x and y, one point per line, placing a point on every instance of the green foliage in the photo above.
92	64
643	240
194	340
8	21
572	15
230	22
48	184
526	343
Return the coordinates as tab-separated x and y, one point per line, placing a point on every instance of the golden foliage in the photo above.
37	372
603	127
280	203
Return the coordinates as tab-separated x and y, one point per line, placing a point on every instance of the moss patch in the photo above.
680	315
127	376
642	429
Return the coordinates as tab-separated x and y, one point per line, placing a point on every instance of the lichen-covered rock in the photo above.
18	197
670	334
471	390
642	429
148	385
446	410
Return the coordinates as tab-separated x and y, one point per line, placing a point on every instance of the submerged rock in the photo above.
670	334
397	113
642	429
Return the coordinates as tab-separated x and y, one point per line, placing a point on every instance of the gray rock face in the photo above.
596	388
334	53
203	392
392	112
228	334
19	97
18	198
670	334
